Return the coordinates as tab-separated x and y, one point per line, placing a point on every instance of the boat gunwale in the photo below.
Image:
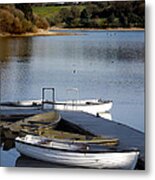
77	104
85	151
68	102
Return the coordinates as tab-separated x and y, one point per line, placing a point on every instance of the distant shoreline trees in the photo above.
21	18
112	14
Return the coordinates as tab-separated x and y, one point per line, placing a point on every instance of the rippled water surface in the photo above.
102	64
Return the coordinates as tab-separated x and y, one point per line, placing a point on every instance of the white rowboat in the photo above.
91	106
63	154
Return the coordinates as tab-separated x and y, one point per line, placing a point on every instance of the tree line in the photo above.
125	14
20	18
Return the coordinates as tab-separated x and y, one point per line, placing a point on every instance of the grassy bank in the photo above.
51	11
47	11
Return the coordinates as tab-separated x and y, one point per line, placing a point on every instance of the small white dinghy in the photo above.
91	106
80	155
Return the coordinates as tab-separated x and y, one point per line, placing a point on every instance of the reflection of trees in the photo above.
115	50
23	48
15	55
15	47
4	49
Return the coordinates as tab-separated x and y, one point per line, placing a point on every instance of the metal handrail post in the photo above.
43	95
53	89
42	100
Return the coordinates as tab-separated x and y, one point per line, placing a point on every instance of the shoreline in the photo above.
49	31
40	32
99	29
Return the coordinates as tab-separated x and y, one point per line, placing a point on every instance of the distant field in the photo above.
50	11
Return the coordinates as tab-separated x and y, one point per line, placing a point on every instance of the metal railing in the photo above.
44	90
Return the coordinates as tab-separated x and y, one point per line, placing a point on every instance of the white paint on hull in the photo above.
101	160
89	106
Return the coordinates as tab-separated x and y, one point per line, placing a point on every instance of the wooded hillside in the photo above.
112	14
21	18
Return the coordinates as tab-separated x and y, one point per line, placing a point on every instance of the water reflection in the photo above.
115	51
19	49
105	115
15	56
23	161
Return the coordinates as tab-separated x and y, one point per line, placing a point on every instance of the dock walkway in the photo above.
128	137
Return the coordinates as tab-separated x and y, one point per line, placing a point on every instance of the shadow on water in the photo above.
24	161
8	144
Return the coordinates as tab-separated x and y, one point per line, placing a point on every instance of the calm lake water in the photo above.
101	64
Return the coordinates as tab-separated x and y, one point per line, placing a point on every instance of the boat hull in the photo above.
83	105
100	160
